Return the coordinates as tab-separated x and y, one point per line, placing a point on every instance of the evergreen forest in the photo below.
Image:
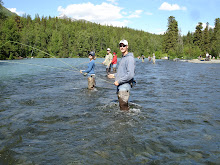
22	37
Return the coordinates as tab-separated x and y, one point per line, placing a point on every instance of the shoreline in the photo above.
215	61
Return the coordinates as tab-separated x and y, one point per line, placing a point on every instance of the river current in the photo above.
48	116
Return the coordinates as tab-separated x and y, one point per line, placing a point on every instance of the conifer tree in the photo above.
179	46
206	39
67	38
188	39
197	40
2	15
171	36
216	38
216	28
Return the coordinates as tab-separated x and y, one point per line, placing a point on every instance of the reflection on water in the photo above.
47	115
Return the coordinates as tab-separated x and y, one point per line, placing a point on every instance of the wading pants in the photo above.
91	82
114	70
123	96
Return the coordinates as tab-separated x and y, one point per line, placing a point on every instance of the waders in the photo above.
123	97
107	71
154	60
91	82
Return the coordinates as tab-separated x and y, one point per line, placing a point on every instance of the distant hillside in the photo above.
73	19
6	12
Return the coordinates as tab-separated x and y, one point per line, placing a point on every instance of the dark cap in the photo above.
92	53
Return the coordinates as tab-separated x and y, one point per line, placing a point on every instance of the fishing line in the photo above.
96	75
46	66
76	70
105	80
38	65
98	62
40	51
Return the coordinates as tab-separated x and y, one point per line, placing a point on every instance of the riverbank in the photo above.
206	62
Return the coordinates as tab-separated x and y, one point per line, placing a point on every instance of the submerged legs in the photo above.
114	70
91	82
123	97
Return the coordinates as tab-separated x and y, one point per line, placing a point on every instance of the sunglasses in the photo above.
122	45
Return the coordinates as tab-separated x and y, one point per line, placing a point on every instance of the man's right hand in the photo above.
116	83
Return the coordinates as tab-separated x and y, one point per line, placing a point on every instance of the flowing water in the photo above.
48	116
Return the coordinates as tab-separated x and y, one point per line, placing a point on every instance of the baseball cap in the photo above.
114	53
125	42
92	53
108	49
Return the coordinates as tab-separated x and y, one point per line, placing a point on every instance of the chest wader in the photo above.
109	69
154	60
123	97
91	82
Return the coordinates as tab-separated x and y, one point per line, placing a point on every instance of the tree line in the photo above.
193	44
65	38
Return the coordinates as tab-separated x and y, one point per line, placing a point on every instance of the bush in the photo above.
11	57
159	54
101	54
196	52
172	54
40	55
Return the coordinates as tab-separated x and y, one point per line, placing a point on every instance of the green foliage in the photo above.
179	47
196	52
159	54
11	57
4	12
172	54
202	41
216	46
206	39
215	41
41	55
198	40
192	52
65	38
171	36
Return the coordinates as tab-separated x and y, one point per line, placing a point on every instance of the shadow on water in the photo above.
48	116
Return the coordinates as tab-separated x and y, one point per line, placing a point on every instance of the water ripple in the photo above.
50	117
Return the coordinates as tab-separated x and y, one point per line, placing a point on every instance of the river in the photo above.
48	116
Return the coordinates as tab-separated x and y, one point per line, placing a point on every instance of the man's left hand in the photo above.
116	83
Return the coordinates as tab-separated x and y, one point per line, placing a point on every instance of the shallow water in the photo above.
48	116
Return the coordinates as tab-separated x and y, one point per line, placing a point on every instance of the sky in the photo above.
147	15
